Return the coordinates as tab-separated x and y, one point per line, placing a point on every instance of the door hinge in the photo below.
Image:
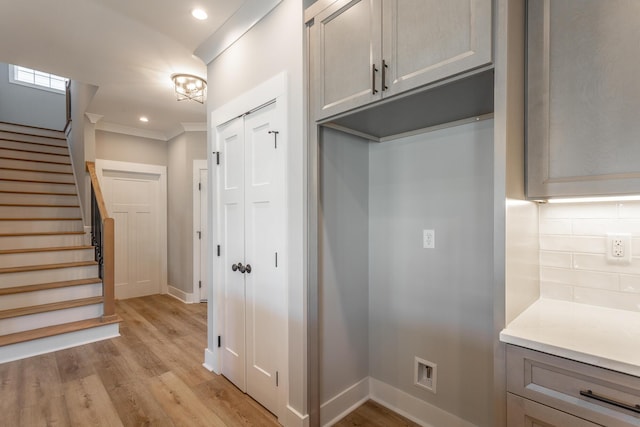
219	341
218	250
199	186
199	235
276	259
277	379
217	153
199	284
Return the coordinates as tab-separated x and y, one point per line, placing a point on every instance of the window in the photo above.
36	79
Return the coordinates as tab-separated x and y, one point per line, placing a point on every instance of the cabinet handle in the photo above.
384	76
590	394
373	79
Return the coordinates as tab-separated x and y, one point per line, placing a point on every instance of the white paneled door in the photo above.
133	199
251	224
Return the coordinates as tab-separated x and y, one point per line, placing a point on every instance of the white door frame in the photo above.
116	166
197	194
272	89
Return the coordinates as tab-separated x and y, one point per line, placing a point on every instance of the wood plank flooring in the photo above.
152	375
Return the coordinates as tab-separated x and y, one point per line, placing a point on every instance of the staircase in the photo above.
50	294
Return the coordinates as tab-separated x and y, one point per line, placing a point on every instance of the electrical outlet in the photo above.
425	374
428	239
619	248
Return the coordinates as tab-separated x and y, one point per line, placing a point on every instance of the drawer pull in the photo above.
590	394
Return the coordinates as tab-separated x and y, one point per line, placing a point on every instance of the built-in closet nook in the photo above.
408	144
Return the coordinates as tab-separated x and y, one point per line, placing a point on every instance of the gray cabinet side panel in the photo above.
343	262
436	304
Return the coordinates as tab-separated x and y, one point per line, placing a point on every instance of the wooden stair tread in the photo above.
44	144
43	233
33	127
40	219
35	170
32	205
35	160
37	181
49	331
37	192
47	266
46	286
33	151
51	249
53	306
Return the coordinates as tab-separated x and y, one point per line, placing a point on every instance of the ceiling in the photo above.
128	48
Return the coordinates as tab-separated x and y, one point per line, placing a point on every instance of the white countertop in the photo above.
599	336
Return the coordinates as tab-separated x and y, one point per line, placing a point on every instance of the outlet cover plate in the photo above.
428	239
618	248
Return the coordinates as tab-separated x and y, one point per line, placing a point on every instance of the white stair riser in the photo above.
9	130
40	320
37	187
38	199
53	226
36	176
25	164
34	147
39	212
69	293
12	154
8	280
47	257
47	241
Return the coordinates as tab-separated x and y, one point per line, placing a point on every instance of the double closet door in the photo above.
251	227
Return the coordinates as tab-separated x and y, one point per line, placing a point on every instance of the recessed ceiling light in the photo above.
199	14
144	119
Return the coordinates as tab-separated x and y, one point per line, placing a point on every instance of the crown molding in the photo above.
128	130
248	15
93	118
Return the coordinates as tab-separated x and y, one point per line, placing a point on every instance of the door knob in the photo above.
234	267
241	268
248	268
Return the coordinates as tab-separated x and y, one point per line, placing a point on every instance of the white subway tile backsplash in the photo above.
577	210
602	298
573	264
555	259
555	226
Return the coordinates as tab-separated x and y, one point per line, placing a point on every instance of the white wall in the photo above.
270	47
436	304
29	106
129	148
182	150
572	254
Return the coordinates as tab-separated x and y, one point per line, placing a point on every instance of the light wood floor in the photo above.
150	376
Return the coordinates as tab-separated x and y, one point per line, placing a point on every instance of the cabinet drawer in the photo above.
527	413
602	396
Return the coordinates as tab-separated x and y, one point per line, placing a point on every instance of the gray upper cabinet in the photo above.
365	50
583	98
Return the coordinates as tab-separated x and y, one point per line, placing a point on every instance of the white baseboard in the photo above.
59	342
183	296
416	410
340	405
208	360
294	418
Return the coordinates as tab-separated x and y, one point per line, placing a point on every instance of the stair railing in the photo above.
102	238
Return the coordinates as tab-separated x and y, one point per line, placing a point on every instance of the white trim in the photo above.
273	89
249	14
197	166
344	403
194	126
93	118
411	407
295	418
128	130
181	295
58	342
209	361
112	165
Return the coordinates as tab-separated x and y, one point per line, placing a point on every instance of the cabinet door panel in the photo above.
346	45
583	93
527	413
428	40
